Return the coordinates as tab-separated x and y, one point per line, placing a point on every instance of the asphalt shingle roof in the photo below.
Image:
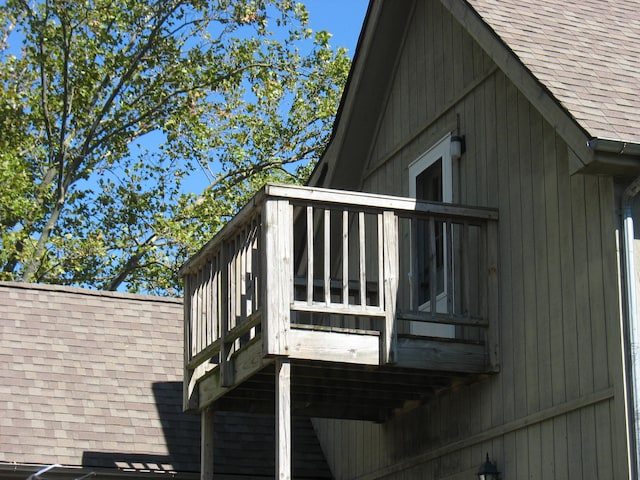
94	379
587	53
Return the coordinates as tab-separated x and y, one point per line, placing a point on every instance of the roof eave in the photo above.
586	153
617	158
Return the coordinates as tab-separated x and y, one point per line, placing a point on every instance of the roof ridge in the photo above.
88	292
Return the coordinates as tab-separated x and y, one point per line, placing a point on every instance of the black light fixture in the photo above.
488	471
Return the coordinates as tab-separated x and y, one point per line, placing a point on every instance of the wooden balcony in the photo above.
374	301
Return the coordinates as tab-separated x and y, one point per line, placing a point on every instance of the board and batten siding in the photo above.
555	410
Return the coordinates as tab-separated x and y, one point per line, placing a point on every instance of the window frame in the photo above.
440	150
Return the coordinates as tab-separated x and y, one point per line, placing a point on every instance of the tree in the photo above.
108	108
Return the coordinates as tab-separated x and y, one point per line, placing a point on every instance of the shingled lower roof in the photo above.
586	53
93	380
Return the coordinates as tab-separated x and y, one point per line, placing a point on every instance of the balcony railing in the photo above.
340	276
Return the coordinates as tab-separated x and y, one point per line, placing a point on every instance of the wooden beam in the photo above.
444	356
283	419
206	444
374	201
337	347
338	309
246	363
443	318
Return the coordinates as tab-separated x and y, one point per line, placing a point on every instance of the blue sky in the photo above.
342	18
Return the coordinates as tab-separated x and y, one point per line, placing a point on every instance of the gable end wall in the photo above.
555	410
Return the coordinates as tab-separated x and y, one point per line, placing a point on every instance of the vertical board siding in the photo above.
557	279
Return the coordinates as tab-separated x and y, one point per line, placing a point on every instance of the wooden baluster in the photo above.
433	268
187	398
208	303
242	294
309	254
464	270
363	260
414	277
380	227
391	271
448	245
226	371
189	311
327	256
345	257
199	312
215	298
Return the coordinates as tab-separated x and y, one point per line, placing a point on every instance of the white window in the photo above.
431	179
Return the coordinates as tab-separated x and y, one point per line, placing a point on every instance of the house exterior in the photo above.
91	385
459	277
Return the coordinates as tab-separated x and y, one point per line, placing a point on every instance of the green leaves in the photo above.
233	92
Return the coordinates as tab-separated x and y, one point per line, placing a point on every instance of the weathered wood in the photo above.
338	309
246	363
377	233
330	328
226	370
337	346
446	356
374	201
391	265
380	286
310	254
278	274
206	444
433	269
204	355
362	258
327	257
187	390
444	318
244	216
447	245
345	257
283	419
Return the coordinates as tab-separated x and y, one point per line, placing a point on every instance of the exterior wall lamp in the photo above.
488	471
457	146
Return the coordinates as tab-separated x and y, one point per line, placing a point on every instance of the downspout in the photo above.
631	329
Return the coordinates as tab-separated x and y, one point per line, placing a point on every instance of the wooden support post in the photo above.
283	419
278	276
391	273
206	444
